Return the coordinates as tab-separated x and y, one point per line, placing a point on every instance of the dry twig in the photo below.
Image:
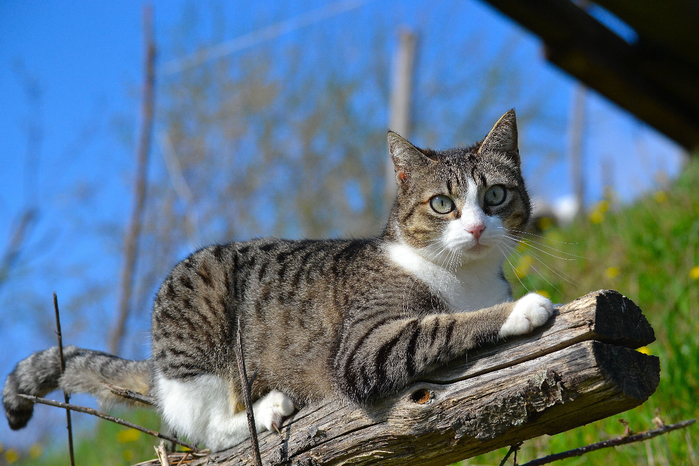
82	409
246	397
63	368
162	454
513	449
623	440
130	394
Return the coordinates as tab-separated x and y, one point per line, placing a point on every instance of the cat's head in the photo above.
469	202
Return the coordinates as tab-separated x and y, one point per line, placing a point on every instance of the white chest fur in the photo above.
475	285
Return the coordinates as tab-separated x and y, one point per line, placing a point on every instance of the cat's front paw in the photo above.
530	311
272	410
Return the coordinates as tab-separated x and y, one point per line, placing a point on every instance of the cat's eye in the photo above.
442	204
495	195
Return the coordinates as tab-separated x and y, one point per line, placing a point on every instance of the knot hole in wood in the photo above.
421	396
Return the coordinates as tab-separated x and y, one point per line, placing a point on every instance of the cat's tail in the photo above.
86	371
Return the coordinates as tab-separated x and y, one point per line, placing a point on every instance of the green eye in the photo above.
442	204
495	195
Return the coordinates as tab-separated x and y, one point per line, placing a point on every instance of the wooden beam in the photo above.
653	86
670	26
580	367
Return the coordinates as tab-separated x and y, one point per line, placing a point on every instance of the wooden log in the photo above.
580	367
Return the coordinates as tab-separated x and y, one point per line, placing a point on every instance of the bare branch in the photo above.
107	417
63	368
130	394
162	454
17	241
176	458
246	397
623	440
513	449
134	229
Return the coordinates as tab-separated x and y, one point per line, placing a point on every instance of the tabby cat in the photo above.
350	319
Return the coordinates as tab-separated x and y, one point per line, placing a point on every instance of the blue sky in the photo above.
84	58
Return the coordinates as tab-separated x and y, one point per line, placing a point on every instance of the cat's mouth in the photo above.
471	246
478	249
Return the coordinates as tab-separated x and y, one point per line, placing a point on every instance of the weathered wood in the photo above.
580	367
604	315
654	77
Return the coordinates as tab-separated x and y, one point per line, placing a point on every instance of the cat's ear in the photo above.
406	157
503	137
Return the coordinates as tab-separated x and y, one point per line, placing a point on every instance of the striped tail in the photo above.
86	371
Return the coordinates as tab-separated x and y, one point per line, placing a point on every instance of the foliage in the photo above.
290	141
108	444
650	252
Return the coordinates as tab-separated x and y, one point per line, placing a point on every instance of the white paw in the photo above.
530	311
272	409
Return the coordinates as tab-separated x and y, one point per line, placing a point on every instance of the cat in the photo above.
354	320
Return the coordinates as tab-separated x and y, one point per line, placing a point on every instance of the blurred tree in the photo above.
287	138
290	141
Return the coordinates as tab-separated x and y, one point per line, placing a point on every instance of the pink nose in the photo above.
476	230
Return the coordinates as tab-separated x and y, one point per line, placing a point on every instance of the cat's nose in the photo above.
476	230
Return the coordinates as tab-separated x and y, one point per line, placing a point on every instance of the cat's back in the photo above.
294	301
321	275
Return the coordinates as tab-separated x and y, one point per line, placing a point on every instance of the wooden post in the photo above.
401	93
580	367
577	130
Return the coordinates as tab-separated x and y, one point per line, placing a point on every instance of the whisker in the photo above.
506	251
542	275
532	243
558	271
566	277
527	276
570	257
529	233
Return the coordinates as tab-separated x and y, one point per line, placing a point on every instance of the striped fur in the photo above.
85	372
354	319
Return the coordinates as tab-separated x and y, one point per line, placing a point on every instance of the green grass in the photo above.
649	251
108	445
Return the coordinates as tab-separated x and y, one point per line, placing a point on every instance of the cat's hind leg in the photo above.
271	410
202	409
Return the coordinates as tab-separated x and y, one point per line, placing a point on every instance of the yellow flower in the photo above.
602	206
128	435
128	455
660	196
612	272
596	216
644	350
523	266
694	273
544	293
11	456
35	451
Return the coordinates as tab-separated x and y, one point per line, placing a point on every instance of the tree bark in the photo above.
580	367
